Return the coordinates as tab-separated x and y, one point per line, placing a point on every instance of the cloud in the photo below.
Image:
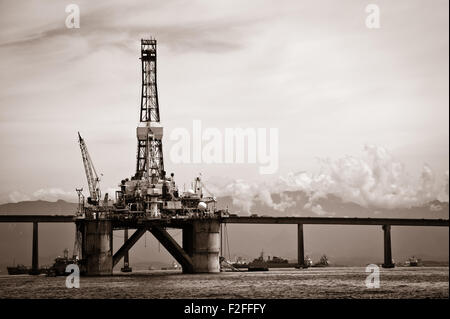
317	209
109	26
47	194
16	196
53	194
443	194
374	180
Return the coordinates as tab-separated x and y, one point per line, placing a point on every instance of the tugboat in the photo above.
323	262
412	262
126	267
59	267
173	267
308	262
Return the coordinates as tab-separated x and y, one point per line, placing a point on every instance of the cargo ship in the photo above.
18	270
261	264
258	264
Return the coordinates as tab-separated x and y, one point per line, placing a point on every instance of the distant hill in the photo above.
349	245
295	202
59	207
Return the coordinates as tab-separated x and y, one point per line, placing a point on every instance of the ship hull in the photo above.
269	265
18	271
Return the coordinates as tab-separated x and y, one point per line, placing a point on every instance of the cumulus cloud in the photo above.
242	193
443	194
48	194
245	194
16	196
53	194
373	180
317	209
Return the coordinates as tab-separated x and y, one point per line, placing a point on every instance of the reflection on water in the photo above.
333	282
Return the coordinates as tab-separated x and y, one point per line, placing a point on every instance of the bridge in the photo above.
200	248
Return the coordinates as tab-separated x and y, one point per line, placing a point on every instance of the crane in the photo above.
91	174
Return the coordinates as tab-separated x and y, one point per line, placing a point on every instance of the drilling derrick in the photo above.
150	164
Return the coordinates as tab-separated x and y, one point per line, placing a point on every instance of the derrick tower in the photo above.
150	164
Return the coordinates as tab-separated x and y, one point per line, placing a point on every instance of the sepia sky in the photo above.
312	69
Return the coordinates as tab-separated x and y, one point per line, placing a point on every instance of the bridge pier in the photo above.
97	247
387	247
300	246
35	253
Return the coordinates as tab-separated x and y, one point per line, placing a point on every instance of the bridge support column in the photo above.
300	246
35	256
201	241
387	247
98	247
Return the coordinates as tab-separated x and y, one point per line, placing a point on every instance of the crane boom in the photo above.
91	174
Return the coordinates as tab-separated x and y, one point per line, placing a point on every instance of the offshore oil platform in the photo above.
148	200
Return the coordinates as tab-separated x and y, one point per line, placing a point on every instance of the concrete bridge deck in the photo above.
179	222
200	235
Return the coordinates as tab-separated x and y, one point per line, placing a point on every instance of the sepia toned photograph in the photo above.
224	156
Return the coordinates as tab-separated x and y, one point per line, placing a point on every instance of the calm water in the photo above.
348	282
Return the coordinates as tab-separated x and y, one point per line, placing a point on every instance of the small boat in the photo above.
173	267
18	270
412	262
126	268
323	262
307	262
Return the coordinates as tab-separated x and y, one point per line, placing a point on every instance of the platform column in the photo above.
35	256
387	247
201	241
98	247
300	246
